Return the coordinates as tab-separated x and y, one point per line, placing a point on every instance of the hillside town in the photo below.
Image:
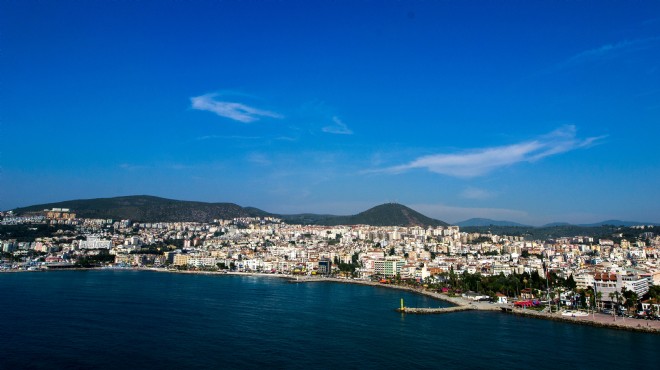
610	271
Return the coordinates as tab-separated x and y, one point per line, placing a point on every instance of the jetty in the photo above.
430	311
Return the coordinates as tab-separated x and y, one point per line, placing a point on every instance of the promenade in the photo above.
598	319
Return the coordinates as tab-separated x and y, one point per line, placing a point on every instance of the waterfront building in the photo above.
180	260
325	266
390	266
201	261
95	242
635	283
584	280
606	283
609	283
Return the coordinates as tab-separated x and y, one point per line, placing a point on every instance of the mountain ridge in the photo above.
487	222
148	208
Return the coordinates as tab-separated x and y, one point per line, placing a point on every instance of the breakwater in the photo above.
429	311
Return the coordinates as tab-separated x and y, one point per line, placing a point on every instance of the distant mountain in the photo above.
146	208
556	224
602	223
486	222
618	223
389	214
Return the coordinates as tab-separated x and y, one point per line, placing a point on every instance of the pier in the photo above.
429	311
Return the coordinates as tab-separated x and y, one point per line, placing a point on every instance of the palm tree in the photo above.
611	295
552	296
653	308
619	302
631	302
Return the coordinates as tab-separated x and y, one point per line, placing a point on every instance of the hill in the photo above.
603	223
389	214
557	224
486	222
146	208
619	223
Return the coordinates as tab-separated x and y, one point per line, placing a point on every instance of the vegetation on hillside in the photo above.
149	209
614	233
28	233
390	214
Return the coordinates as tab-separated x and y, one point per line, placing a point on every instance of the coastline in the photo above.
595	320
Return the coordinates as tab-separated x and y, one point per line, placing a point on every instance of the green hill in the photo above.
389	214
146	208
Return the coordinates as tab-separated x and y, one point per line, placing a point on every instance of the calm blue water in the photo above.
137	319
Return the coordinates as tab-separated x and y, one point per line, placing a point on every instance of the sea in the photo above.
127	319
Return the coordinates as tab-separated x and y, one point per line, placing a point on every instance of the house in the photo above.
527	294
501	298
651	305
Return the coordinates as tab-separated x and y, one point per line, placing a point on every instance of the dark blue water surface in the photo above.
138	319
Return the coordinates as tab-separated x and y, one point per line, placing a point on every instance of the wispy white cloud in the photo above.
478	162
339	128
232	110
259	158
132	167
476	193
286	138
610	51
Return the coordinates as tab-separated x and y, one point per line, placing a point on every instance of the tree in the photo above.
631	298
619	301
611	295
570	283
592	300
552	297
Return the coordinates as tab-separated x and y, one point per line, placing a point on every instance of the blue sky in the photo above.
527	111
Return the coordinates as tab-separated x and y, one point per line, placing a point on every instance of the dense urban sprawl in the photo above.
616	274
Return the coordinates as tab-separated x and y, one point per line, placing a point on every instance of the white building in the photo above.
584	280
95	242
